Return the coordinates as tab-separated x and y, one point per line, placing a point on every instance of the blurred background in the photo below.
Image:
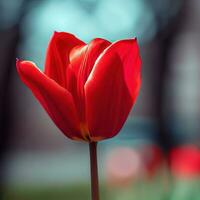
156	155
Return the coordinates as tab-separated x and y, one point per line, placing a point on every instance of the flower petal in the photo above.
112	88
57	57
82	59
56	100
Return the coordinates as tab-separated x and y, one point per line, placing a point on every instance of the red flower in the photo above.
87	89
185	161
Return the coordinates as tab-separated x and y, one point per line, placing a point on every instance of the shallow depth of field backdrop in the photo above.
156	154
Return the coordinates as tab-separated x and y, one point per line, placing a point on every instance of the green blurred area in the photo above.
78	192
160	188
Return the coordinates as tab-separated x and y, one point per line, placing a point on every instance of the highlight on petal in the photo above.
112	88
56	100
57	57
82	59
128	51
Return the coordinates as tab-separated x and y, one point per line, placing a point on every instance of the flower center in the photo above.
85	131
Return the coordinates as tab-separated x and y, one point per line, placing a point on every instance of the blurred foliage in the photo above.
159	188
78	192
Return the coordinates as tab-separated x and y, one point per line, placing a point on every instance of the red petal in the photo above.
57	57
112	88
82	59
56	100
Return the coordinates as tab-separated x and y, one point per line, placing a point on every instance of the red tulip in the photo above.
87	89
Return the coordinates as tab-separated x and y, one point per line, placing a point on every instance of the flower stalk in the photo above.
94	171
